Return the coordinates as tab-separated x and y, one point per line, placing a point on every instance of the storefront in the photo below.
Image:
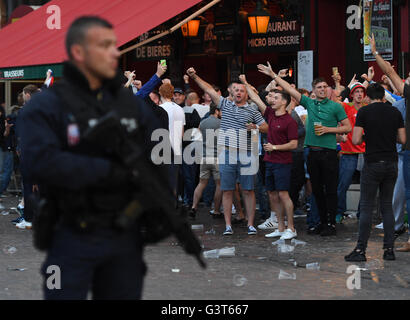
36	42
308	36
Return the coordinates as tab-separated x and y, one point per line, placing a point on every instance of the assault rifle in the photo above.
153	205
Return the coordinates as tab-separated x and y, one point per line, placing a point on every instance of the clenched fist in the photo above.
191	72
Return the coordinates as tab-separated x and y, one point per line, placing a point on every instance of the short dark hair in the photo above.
303	91
230	84
317	80
212	108
375	91
78	30
31	89
284	95
216	88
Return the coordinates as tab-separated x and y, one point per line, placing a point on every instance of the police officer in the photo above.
87	186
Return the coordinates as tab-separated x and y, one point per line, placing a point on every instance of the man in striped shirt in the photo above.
236	160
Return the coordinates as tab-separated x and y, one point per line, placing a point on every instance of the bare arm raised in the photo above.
387	68
205	86
285	85
252	94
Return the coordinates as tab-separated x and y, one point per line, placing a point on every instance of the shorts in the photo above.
208	168
278	176
234	165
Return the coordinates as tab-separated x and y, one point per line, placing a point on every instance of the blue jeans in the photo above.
406	176
347	167
237	164
8	164
399	196
189	172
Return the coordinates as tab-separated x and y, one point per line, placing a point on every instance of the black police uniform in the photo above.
90	252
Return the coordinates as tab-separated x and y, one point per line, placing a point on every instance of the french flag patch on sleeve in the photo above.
73	134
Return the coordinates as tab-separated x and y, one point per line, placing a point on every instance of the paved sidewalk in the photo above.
252	274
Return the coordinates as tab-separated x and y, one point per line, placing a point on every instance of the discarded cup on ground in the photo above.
197	227
175	270
313	266
9	250
278	242
285	248
239	280
373	265
286	276
5	213
16	269
211	254
227	252
298	242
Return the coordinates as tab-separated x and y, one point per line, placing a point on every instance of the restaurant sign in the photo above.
30	72
282	35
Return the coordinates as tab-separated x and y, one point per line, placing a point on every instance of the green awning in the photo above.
30	72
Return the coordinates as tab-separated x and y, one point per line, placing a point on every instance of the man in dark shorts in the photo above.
282	138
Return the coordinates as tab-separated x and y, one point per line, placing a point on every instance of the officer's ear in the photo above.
78	52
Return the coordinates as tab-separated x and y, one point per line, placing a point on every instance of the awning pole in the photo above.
176	27
7	96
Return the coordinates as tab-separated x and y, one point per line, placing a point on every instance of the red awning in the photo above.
30	42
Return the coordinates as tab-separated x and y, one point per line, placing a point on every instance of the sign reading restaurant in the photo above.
282	35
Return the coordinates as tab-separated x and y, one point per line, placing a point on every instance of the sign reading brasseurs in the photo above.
282	35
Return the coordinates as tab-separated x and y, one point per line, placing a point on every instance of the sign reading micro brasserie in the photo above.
282	35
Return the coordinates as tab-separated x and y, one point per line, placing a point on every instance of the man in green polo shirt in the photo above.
325	119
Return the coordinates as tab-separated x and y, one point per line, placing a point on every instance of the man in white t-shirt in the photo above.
193	101
176	118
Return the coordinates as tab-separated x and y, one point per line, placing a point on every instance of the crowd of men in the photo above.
304	142
313	140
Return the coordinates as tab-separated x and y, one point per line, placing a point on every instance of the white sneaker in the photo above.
288	234
268	224
379	226
24	225
274	234
233	209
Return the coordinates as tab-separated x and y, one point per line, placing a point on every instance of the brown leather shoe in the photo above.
405	248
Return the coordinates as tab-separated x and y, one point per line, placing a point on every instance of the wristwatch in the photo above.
375	53
274	148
